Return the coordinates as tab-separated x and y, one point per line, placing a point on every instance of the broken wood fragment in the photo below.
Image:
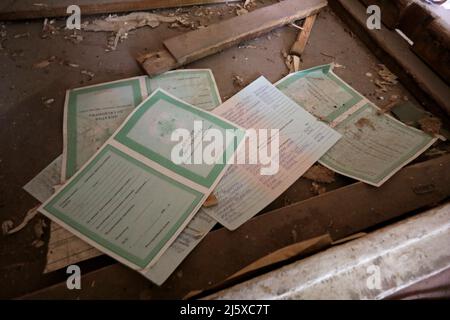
197	44
299	45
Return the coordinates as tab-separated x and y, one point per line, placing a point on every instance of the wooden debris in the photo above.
319	173
299	45
200	43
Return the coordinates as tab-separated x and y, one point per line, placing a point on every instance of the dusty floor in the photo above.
31	131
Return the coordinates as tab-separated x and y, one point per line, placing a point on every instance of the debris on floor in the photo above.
122	25
393	101
317	189
29	216
238	81
44	63
430	125
75	38
319	173
48	29
386	79
292	62
88	73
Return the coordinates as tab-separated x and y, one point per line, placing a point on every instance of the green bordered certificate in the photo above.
130	200
374	146
93	113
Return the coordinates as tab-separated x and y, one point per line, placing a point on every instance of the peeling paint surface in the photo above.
371	267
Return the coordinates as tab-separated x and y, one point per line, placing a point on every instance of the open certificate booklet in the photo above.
374	145
130	200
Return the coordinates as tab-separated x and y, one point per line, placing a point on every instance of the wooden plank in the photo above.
396	54
200	43
340	213
299	45
32	9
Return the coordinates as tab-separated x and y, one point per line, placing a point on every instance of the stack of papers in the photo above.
120	193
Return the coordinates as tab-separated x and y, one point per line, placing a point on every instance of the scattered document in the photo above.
374	145
121	200
195	86
243	191
93	113
42	185
65	248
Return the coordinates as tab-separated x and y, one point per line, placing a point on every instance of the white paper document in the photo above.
243	191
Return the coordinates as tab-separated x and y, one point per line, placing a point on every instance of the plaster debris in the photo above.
29	215
122	25
74	38
240	10
48	29
319	173
49	101
238	81
317	189
90	74
21	35
387	79
249	3
72	65
291	63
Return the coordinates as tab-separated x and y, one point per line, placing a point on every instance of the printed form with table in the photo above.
115	189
